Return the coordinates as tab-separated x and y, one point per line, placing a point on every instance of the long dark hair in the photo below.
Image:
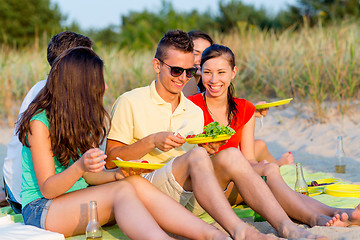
73	101
214	51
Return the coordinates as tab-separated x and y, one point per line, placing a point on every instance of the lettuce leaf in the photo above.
214	129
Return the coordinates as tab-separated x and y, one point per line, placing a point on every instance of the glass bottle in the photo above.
300	184
93	229
258	217
340	166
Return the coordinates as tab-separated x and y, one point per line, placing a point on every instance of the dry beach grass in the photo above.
316	66
313	65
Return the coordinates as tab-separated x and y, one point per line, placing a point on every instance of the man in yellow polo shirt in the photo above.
143	124
132	123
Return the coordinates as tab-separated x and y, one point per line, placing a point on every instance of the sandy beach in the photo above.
290	128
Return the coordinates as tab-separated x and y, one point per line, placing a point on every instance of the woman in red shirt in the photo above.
218	104
202	41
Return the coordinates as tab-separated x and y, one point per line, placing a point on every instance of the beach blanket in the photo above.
12	227
288	173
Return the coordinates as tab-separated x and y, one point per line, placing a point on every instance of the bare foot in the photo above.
351	217
286	158
354	216
292	231
246	232
339	221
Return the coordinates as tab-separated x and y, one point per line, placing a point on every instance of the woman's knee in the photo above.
134	179
260	145
271	169
198	158
126	186
137	182
231	158
198	152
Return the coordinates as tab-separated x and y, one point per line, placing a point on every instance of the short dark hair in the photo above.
199	34
175	39
63	41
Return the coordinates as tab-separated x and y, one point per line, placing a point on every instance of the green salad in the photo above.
214	129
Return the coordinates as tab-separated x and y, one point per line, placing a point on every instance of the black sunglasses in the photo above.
177	71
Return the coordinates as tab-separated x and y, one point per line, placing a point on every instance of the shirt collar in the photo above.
158	100
154	94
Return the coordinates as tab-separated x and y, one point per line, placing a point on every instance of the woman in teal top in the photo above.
61	131
30	188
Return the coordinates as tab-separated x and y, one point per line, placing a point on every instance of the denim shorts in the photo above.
34	213
11	199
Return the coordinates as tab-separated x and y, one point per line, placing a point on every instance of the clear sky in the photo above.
101	13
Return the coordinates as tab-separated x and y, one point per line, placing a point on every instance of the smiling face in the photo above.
200	45
217	74
168	86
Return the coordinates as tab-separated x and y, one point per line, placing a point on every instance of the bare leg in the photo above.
300	207
68	214
262	153
176	219
194	172
230	165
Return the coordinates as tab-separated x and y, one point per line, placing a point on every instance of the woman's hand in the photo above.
135	171
212	147
261	112
93	160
